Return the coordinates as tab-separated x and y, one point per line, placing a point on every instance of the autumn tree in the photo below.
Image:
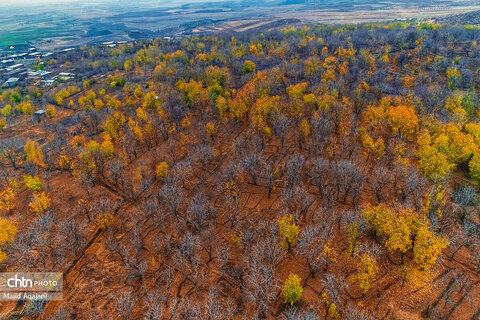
474	167
427	247
264	107
222	107
434	164
211	129
92	159
8	230
114	124
161	170
292	289
150	101
249	66
32	183
296	95
403	120
88	100
454	77
366	270
193	92
288	231
34	153
7	198
374	147
406	230
41	202
6	111
402	230
50	111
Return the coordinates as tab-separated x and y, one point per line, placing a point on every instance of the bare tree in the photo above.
321	176
183	171
352	313
280	128
293	169
124	304
254	165
380	183
310	245
154	305
172	196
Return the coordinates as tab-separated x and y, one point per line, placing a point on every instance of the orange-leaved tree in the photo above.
8	230
403	120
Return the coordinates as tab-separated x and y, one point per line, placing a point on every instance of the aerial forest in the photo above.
306	172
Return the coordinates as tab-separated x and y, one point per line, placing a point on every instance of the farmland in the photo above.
91	22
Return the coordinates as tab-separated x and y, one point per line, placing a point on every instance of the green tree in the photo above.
249	66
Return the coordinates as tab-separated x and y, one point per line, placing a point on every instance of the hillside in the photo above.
313	172
472	18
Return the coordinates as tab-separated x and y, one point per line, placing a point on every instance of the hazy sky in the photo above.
32	2
23	3
35	2
39	2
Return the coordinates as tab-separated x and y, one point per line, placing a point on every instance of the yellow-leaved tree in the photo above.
161	170
114	124
428	246
210	129
375	147
8	230
474	167
366	270
378	218
288	231
405	230
402	229
403	120
34	153
434	163
7	197
41	202
32	183
292	289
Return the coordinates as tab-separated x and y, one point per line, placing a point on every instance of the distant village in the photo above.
27	65
23	65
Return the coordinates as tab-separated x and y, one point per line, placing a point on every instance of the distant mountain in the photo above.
464	18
